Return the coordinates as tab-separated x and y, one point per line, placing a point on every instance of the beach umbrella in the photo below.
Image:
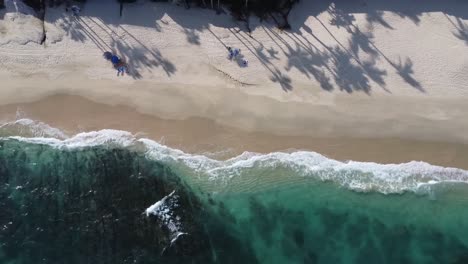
115	59
107	55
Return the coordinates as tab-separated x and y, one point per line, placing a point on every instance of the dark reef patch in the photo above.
87	206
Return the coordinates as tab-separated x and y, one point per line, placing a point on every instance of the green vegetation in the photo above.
36	4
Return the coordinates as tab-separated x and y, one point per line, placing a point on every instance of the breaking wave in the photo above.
124	199
414	176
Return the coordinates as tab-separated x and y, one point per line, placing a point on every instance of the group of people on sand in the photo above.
236	54
119	64
121	68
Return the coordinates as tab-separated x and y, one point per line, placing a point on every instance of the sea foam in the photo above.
415	176
163	210
30	128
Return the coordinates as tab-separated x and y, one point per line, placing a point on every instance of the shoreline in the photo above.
346	81
320	115
74	114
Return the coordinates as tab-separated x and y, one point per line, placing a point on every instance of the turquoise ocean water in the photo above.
110	197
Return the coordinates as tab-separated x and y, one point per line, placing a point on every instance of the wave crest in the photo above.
419	177
29	128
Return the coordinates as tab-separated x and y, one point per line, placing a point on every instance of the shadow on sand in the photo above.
131	50
339	65
335	65
461	28
348	71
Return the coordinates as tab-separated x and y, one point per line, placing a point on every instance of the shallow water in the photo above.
84	199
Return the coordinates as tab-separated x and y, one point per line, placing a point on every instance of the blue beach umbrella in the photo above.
115	59
107	55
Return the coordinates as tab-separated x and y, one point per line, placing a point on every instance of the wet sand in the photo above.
74	114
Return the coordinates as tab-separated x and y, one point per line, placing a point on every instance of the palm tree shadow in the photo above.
276	75
360	41
192	36
339	18
312	63
305	57
72	28
283	80
349	76
462	32
461	29
137	56
414	17
405	70
350	73
376	16
273	53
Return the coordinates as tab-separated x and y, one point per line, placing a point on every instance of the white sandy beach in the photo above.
355	69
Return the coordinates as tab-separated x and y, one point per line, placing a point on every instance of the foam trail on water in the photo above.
163	210
29	128
86	139
359	176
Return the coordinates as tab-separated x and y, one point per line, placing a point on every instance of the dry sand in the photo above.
370	80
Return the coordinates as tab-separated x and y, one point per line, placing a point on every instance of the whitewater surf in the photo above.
111	197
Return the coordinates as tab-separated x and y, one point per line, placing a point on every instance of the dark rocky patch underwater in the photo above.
88	205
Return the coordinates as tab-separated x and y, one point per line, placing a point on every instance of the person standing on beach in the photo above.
122	69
